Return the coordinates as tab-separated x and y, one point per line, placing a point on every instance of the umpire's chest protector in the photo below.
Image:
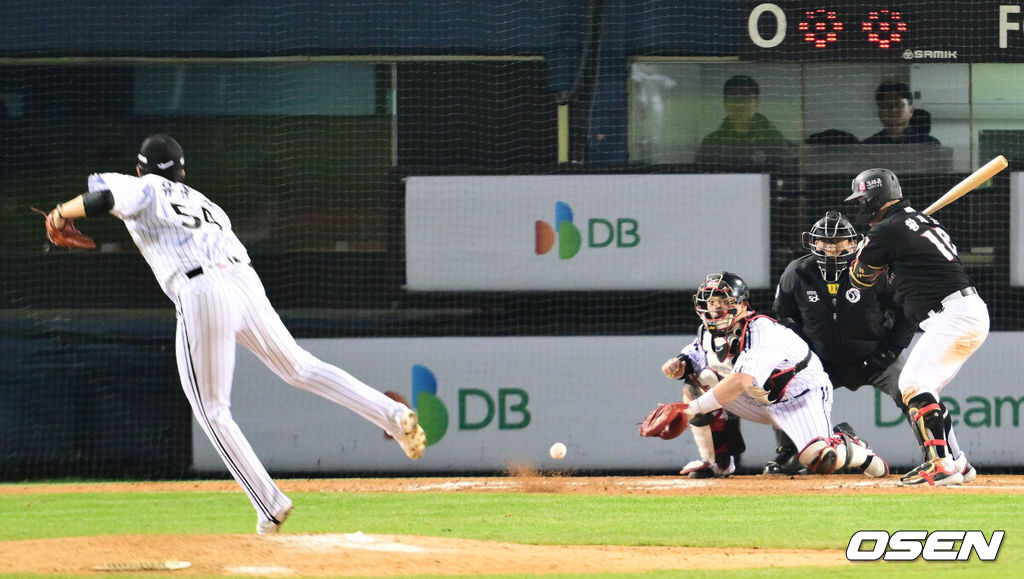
841	321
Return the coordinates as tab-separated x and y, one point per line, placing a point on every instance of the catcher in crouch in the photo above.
761	371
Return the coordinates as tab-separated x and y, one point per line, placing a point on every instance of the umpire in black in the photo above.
859	334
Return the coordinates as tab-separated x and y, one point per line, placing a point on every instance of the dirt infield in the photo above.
322	555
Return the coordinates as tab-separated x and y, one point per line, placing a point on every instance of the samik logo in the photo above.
478	409
624	232
934	546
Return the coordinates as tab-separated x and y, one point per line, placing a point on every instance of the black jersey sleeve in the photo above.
875	249
903	328
785	308
873	256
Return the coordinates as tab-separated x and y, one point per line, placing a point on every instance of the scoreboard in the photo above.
915	31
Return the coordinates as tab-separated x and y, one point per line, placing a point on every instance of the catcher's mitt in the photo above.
66	236
666	421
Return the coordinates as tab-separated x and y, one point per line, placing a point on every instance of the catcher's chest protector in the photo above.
721	352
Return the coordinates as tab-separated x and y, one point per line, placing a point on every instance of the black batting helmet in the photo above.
162	155
722	285
833	226
872	189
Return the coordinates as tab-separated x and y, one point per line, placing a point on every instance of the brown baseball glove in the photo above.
66	236
667	421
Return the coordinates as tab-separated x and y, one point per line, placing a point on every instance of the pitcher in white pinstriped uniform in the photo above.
202	266
764	372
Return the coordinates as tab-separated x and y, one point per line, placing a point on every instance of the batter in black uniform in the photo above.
935	291
859	334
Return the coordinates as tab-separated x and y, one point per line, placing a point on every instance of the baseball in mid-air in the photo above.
557	451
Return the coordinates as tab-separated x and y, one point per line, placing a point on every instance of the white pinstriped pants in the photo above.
227	304
804	416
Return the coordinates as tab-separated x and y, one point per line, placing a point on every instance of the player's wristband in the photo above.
687	365
706	402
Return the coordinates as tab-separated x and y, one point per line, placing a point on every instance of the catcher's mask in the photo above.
833	240
871	190
719	299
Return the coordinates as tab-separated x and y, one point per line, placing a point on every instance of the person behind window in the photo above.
650	86
896	111
746	138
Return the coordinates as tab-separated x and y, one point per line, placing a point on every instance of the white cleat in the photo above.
412	439
271	527
701	469
966	469
937	472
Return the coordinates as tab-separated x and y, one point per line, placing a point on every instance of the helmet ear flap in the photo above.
872	189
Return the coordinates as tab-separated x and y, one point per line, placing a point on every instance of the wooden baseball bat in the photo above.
970	183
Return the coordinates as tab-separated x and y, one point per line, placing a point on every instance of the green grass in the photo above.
803	522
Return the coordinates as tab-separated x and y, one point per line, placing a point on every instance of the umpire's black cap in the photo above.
162	155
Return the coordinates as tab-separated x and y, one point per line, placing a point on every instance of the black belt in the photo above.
199	270
967	291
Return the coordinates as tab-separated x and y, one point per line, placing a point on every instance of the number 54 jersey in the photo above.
176	228
921	257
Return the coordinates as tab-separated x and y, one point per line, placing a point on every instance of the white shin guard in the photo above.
705	445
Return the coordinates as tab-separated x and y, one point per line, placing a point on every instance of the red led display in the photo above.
820	27
883	31
884	28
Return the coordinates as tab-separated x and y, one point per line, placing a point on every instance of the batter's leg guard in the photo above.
910	422
939	469
917	435
927	414
947	426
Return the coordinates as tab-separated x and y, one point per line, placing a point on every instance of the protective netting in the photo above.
312	151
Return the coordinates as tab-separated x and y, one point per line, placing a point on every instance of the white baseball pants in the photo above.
950	337
227	304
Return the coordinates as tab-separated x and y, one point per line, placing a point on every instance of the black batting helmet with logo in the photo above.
831	228
872	189
162	155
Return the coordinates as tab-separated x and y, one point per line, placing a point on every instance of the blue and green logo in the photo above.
430	409
624	232
569	238
478	409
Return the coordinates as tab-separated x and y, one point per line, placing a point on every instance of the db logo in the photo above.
934	546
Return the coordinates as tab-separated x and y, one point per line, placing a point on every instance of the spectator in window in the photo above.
900	126
746	138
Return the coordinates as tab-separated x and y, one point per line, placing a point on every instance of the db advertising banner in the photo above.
584	232
489	404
